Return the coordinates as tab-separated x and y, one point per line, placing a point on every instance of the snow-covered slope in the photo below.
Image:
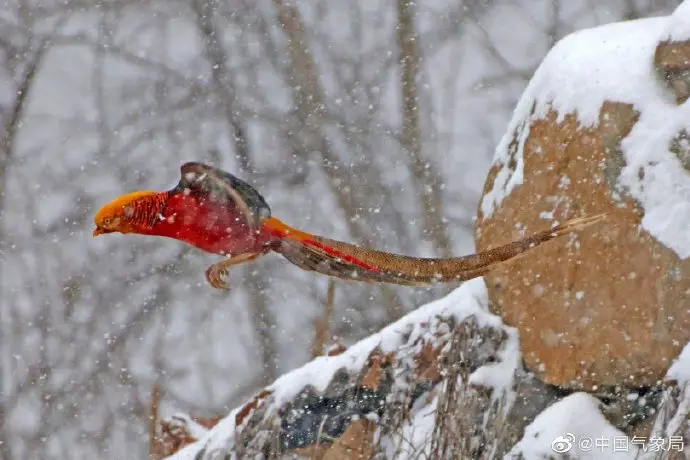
402	339
573	79
429	325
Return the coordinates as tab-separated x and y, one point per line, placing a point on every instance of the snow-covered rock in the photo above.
597	130
671	57
384	392
574	426
446	379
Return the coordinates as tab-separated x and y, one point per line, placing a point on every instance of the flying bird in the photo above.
221	214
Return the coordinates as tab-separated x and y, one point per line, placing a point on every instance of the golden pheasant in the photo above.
218	213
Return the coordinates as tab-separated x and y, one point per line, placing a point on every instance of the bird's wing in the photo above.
224	189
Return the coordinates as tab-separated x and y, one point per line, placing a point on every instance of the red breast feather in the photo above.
209	226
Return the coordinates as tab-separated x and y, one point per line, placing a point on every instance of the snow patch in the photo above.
499	375
193	428
413	440
679	24
680	369
568	423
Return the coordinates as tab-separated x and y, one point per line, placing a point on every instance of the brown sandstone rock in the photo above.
672	54
608	306
672	64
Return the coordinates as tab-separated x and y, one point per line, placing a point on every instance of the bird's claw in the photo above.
215	275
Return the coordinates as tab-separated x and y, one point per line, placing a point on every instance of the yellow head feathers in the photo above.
112	217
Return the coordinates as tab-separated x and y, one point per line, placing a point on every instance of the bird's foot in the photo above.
216	275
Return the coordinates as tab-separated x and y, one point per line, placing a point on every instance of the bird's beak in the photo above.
98	231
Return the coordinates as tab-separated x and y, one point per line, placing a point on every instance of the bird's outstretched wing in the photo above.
224	190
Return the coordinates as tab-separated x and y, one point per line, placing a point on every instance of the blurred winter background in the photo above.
371	121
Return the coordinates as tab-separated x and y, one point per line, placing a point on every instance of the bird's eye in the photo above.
107	221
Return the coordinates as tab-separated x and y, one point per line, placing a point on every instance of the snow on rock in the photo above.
290	404
678	28
680	369
413	439
499	375
671	61
574	79
675	408
575	427
191	426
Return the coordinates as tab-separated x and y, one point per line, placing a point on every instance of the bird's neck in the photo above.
147	212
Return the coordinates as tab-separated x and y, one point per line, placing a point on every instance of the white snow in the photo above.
678	28
470	299
499	375
575	421
680	369
680	372
193	428
612	62
413	440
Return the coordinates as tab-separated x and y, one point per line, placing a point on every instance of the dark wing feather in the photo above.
225	189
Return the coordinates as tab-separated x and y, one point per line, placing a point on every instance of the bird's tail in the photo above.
351	262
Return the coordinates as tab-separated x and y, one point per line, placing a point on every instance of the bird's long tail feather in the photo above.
351	262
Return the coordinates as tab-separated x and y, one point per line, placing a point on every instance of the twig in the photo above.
322	325
154	450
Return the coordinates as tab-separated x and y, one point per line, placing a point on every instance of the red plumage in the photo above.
210	226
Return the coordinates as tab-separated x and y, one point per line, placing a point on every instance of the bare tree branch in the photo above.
322	324
10	130
427	181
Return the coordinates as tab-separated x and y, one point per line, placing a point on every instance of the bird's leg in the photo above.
216	273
